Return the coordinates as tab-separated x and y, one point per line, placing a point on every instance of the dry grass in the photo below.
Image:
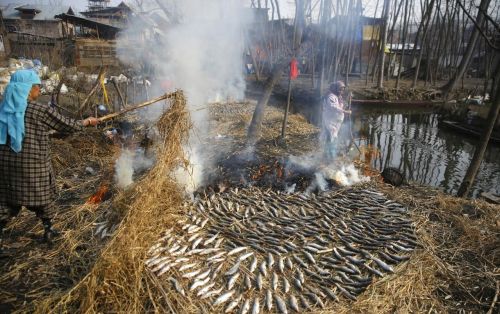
454	269
118	281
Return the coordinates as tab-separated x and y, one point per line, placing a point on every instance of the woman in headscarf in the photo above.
26	175
332	117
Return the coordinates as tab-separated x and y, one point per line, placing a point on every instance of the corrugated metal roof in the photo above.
47	12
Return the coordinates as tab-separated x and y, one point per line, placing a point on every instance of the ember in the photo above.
100	195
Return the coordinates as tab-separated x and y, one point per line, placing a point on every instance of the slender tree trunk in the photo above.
380	81
423	40
324	38
464	63
258	115
298	28
473	169
405	34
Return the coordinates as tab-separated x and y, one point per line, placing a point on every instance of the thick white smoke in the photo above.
199	51
129	163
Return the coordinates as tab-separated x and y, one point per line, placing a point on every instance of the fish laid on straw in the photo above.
334	244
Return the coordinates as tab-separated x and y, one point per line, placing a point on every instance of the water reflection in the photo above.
413	143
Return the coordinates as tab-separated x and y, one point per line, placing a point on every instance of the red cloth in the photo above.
294	69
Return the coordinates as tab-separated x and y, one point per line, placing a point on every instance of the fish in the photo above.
205	289
233	304
216	256
256	306
191	274
280	304
258	281
210	294
286	285
293	303
248	282
315	299
199	283
269	300
298	284
203	275
196	243
281	264
245	256
232	280
245	307
233	270
263	268
177	286
270	260
383	265
274	281
210	240
223	298
330	294
186	266
236	250
304	303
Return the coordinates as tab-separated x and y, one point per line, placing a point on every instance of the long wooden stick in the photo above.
135	107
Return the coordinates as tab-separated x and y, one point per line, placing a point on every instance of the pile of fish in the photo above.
262	250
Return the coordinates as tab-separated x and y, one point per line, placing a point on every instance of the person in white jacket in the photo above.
332	117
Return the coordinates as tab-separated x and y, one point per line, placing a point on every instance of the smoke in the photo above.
200	53
129	163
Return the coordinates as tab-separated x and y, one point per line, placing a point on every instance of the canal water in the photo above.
426	153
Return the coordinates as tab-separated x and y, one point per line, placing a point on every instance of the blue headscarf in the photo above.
13	107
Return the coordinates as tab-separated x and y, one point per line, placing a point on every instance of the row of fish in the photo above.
253	250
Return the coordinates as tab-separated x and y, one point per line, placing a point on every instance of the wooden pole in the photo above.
120	95
138	106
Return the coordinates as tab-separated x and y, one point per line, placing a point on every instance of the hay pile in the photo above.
117	281
232	120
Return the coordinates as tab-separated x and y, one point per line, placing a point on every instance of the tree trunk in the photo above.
470	176
258	115
380	81
405	34
424	37
464	63
326	9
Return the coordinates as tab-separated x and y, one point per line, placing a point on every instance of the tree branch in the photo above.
488	41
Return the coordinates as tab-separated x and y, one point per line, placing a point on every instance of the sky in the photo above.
287	7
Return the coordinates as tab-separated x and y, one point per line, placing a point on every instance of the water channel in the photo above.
427	153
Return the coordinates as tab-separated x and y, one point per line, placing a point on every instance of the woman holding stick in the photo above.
26	174
332	117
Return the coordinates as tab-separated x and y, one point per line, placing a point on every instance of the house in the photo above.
32	31
36	20
99	11
367	38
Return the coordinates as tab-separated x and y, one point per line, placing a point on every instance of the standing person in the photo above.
332	117
26	175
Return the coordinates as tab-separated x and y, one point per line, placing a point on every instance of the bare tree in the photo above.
258	115
464	63
385	16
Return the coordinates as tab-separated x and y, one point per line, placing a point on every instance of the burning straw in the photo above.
118	281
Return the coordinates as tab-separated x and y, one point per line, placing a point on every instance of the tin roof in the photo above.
14	11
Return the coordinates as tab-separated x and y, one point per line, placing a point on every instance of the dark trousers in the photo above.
7	212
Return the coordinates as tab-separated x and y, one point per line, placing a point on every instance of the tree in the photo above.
258	115
385	13
470	176
464	63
